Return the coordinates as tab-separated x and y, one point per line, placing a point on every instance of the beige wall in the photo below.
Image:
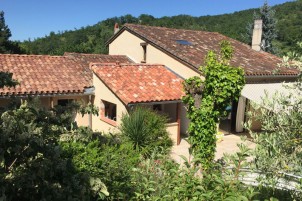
154	55
46	103
103	93
128	44
81	121
172	129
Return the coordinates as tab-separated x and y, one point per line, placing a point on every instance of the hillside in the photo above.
91	39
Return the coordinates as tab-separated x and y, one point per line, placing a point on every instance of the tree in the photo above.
7	46
5	34
207	99
6	80
269	31
278	149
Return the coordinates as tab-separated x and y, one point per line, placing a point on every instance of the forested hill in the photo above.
91	39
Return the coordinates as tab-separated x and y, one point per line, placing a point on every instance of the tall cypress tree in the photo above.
4	35
269	31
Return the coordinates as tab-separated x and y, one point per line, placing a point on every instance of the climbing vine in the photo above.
207	99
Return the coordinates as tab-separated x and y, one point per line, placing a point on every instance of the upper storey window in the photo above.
144	46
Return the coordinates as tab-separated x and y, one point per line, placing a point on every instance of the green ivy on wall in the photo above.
207	99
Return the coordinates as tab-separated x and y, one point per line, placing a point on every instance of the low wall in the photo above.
172	129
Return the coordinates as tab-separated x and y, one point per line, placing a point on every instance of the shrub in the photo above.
146	130
113	163
32	163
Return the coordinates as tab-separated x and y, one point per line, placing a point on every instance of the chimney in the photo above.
257	33
116	28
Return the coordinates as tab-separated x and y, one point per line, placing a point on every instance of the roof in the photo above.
42	74
256	92
86	59
140	83
191	47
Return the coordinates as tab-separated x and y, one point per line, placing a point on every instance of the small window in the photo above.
144	46
183	42
110	110
64	102
157	107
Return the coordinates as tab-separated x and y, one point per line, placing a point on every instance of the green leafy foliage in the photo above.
5	34
146	130
7	46
6	80
160	178
207	99
112	162
278	149
32	163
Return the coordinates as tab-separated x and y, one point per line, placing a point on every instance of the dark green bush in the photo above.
113	163
146	130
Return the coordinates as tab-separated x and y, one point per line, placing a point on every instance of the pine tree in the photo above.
269	31
5	34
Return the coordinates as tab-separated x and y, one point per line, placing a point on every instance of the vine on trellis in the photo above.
207	99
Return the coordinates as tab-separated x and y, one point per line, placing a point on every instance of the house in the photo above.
113	83
121	87
184	51
56	80
145	66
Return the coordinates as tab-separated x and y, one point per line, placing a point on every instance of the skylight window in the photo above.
183	42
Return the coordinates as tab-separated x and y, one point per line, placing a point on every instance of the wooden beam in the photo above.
178	123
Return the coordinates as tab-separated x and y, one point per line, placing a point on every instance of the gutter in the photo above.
154	102
271	76
87	91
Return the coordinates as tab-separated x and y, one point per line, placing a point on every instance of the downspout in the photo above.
90	115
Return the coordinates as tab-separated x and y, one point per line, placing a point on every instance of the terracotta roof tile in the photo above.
41	74
137	83
200	42
86	59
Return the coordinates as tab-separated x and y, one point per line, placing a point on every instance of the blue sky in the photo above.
37	18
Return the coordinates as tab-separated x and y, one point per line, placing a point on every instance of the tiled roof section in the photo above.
139	83
86	59
193	54
41	74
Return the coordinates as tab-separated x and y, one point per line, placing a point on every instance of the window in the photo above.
109	110
157	107
144	46
64	102
183	42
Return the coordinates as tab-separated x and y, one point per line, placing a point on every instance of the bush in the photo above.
146	130
113	163
160	178
32	163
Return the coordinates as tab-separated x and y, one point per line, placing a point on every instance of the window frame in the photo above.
108	112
